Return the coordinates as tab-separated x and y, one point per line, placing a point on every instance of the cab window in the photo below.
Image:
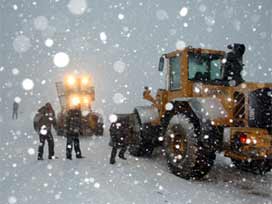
174	65
205	67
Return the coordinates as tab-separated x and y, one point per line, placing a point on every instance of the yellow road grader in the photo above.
78	91
206	107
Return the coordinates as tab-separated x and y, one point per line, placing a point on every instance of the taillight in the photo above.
243	139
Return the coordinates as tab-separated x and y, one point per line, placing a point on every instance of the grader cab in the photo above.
78	92
206	107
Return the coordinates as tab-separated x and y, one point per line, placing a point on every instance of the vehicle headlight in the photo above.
75	100
85	100
84	81
71	80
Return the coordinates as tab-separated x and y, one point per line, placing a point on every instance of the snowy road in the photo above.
23	179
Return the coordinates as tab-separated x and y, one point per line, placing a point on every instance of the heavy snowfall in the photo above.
119	43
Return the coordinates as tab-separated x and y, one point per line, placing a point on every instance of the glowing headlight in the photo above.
75	101
71	80
85	100
84	81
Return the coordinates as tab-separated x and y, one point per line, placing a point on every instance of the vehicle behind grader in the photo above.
78	91
206	107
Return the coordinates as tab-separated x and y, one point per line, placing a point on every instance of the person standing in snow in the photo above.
120	132
72	130
43	121
15	110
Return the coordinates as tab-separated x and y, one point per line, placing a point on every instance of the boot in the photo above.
113	155
53	157
112	161
121	156
40	158
122	153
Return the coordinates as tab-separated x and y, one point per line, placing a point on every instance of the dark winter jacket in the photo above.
45	118
15	106
121	131
72	122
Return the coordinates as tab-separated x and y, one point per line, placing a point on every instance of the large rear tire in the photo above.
255	166
186	156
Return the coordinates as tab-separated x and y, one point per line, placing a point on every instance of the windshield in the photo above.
205	67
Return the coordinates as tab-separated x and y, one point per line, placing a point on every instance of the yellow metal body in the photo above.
260	144
225	94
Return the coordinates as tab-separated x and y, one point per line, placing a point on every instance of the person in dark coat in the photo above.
15	110
120	132
72	129
43	121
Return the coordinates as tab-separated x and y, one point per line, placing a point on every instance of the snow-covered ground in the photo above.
23	179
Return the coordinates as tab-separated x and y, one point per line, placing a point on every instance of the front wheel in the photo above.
186	157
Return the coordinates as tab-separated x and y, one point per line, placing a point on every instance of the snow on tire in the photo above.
186	157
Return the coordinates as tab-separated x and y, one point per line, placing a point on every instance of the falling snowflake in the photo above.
118	98
180	45
209	20
202	8
119	66
183	11
61	59
121	16
12	200
43	130
49	167
169	106
161	15
96	185
49	42
28	84
17	99
77	7
113	118
103	37
40	23
21	44
15	7
31	151
15	71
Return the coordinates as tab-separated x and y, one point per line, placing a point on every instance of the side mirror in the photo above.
161	64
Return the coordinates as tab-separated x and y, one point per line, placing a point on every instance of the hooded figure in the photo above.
43	121
72	130
120	132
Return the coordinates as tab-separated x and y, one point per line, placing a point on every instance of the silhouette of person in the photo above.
15	110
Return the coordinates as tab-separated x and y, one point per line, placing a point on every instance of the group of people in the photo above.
45	119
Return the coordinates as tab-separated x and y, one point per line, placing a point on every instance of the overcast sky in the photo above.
119	43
